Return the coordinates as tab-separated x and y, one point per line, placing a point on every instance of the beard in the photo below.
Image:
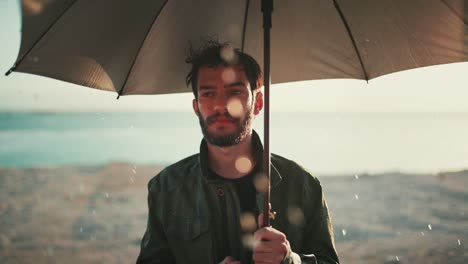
243	128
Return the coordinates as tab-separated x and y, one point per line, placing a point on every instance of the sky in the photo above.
442	88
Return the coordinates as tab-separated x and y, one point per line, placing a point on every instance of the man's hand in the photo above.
270	245
229	260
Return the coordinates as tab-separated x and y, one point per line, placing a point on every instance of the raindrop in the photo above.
398	259
94	212
235	108
243	164
356	176
422	233
356	197
429	226
131	126
228	75
247	222
35	59
107	195
228	54
248	241
343	231
132	180
459	242
82	188
295	216
81	229
134	171
261	183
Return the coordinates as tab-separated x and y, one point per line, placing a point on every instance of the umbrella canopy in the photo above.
139	47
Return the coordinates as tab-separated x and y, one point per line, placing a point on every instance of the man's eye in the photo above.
236	92
209	94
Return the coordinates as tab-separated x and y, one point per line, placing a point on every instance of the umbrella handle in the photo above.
267	9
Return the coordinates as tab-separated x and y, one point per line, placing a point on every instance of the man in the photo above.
204	208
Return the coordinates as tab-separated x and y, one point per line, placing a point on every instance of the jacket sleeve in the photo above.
319	244
154	245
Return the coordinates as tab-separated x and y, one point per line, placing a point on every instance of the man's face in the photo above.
225	104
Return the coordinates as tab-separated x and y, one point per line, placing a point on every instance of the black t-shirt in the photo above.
247	194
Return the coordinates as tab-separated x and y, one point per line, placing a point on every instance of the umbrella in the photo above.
138	47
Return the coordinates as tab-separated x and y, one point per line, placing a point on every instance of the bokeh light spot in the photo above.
295	216
243	164
248	241
228	75
228	54
235	108
247	222
261	183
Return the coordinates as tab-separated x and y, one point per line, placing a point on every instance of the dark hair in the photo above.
209	54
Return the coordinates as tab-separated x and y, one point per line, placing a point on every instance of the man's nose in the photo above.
221	103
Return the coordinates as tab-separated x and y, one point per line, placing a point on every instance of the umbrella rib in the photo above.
13	68
244	29
455	12
138	52
345	22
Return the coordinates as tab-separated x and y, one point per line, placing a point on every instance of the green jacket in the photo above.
185	217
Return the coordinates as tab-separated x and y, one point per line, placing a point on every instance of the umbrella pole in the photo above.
267	9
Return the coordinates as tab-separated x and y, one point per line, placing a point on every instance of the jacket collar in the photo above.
258	154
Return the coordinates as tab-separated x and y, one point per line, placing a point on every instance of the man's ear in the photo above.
258	102
195	107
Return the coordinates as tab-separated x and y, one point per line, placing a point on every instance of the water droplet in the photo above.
228	75
356	197
422	233
132	180
261	183
248	241
94	212
243	164
343	231
356	176
35	59
397	258
107	195
429	226
459	242
228	54
134	171
247	222
131	126
295	216
235	108
81	229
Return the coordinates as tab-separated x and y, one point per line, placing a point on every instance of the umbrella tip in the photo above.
118	96
10	70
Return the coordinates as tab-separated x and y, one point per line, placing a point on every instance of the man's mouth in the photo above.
221	120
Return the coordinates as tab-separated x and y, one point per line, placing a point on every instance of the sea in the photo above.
325	143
